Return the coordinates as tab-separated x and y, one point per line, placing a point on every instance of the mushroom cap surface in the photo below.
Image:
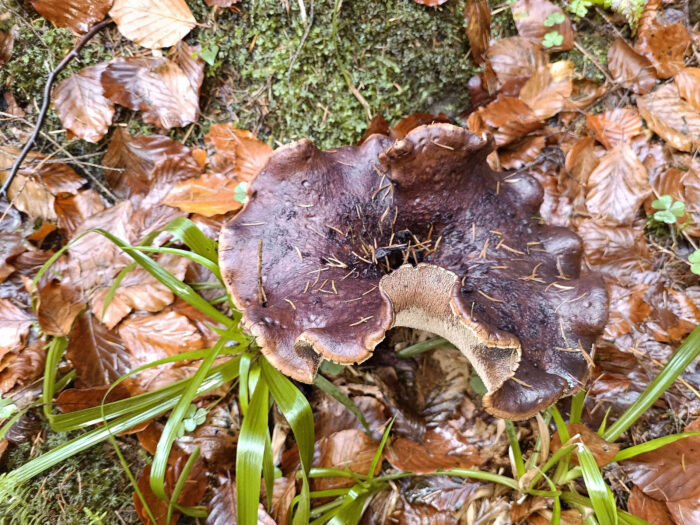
417	232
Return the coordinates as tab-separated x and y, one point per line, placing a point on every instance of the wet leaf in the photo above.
217	437
674	313
507	118
521	153
602	243
615	126
547	91
18	369
97	354
664	45
237	150
653	511
223	509
629	68
189	60
582	159
379	125
533	17
209	195
72	399
7	42
14	327
477	15
618	186
670	117
285	490
156	86
602	451
688	82
152	23
406	124
73	210
57	307
76	15
348	449
682	183
81	105
514	60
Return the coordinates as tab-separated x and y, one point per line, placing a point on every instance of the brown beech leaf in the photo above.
507	118
676	121
629	68
581	159
653	511
73	210
223	508
442	448
285	490
209	195
685	510
239	150
14	326
348	449
153	337
547	91
602	451
514	60
18	369
379	125
187	57
77	15
217	438
615	126
477	14
57	308
618	186
530	16
602	243
521	153
156	86
81	105
152	23
139	290
674	313
664	45
406	124
138	162
688	82
72	399
7	42
682	182
97	354
11	245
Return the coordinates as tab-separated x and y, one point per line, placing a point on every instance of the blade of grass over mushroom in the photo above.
342	398
686	354
160	460
602	498
249	455
424	346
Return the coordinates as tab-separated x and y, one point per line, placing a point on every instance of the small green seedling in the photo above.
193	418
208	53
240	193
7	408
668	210
694	260
554	19
552	39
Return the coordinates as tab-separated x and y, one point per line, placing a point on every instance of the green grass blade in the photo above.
351	510
115	285
685	355
649	446
578	499
243	390
483	476
378	454
342	398
419	348
601	497
249	455
189	234
53	356
194	257
268	471
181	480
577	403
515	449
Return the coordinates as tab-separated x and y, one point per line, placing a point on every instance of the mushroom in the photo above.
336	247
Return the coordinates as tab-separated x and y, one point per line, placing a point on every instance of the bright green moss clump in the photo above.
402	57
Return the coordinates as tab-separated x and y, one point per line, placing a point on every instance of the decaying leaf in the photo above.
672	118
73	210
521	153
618	186
537	18
81	105
615	126
682	182
18	369
514	60
508	118
348	449
664	45
152	23
237	150
14	326
629	68
478	17
189	60
653	511
688	82
156	86
548	89
602	451
57	308
582	159
77	15
209	195
602	243
7	42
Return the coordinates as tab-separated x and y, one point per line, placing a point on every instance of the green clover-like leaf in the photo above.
678	208
240	193
580	7
694	259
662	203
665	216
552	39
554	19
193	418
208	54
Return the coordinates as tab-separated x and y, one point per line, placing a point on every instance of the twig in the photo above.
594	61
303	39
47	101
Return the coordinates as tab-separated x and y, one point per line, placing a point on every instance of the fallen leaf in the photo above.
209	195
284	492
653	511
7	42
603	243
152	337
97	354
239	149
676	121
152	23
77	15
377	125
629	68
688	82
534	18
217	438
11	245
348	449
507	118
615	126
406	124
156	86
617	186
57	307
223	508
682	182
581	159
514	60
187	57
20	368
81	105
73	210
674	314
14	327
430	3
664	45
73	399
521	153
602	451
477	15
548	89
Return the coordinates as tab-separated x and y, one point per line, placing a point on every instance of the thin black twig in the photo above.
47	101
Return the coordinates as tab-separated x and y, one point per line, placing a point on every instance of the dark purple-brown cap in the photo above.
335	247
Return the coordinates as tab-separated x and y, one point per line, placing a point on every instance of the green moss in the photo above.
402	57
91	483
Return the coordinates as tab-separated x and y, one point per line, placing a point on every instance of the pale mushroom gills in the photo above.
418	232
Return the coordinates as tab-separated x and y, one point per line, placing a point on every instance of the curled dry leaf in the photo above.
676	121
57	308
81	105
548	89
530	17
97	354
73	210
514	60
665	45
618	186
688	82
76	15
209	195
507	118
237	150
14	327
348	449
156	86
629	68
153	23
615	126
653	511
406	124
477	14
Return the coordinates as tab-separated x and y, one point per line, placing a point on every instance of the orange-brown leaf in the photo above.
152	23
521	153
514	60
18	369
530	15
73	210
77	15
7	42
581	159
478	17
602	451
406	124
653	511
548	89
187	57
57	307
615	126
629	68
688	82
602	243
223	507
209	195
665	45
14	326
670	117
348	449
508	118
238	150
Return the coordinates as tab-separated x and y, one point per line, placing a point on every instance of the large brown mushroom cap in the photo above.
420	233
